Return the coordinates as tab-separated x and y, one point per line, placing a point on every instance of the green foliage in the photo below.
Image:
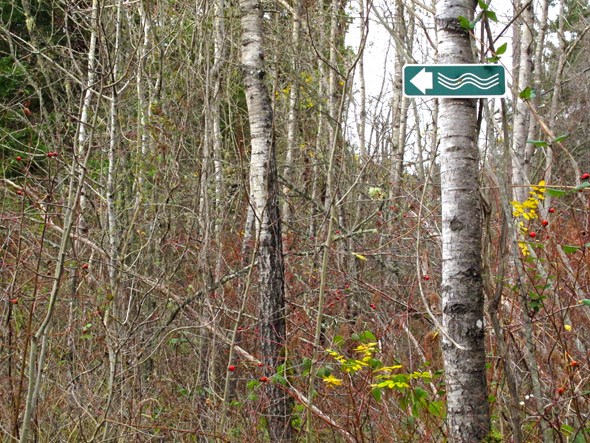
556	192
560	138
466	23
382	378
493	437
499	51
527	93
538	143
568	249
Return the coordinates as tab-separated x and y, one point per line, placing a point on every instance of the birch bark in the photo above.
292	123
520	161
264	200
463	344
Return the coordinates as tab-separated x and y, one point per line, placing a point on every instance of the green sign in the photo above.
461	81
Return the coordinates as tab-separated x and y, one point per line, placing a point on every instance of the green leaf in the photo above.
586	301
252	384
527	93
491	15
502	49
278	378
436	408
560	138
570	249
567	429
538	143
483	5
367	337
375	363
338	340
324	372
555	192
582	186
377	394
420	393
465	23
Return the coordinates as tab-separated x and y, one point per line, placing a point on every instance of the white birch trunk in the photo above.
362	124
292	124
537	61
113	265
520	161
264	200
462	296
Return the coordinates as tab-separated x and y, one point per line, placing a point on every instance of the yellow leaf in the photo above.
567	327
389	368
332	381
359	256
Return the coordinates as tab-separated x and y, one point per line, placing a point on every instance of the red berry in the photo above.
560	391
260	364
55	154
263	379
85	266
373	306
231	368
532	234
19	192
551	210
585	176
544	222
426	277
14	301
18	158
574	364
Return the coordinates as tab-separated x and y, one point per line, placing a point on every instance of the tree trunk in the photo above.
292	123
264	200
520	160
463	344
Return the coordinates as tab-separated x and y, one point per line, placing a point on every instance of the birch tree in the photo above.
463	344
264	200
520	156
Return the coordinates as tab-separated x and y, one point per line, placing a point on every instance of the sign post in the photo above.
458	81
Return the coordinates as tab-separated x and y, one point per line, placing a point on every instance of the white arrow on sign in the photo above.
422	80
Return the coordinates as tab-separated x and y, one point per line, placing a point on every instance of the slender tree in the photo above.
462	297
521	157
264	200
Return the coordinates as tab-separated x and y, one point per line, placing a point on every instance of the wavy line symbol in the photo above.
469	79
